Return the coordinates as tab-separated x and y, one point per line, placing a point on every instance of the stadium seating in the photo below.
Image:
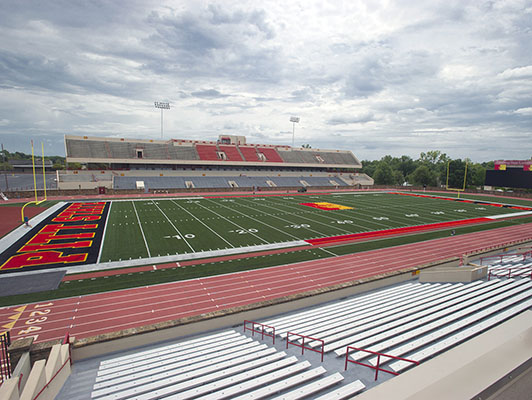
223	365
270	154
169	182
231	153
414	321
249	153
207	152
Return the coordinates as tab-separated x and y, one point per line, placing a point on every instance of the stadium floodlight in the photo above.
294	121
163	106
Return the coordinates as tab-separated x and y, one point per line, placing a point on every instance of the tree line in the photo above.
58	162
429	169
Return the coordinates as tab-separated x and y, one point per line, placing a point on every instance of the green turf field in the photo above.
152	228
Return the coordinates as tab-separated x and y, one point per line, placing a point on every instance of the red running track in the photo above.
90	315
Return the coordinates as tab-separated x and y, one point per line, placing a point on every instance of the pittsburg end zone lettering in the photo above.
72	236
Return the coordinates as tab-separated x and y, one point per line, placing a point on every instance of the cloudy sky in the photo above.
374	77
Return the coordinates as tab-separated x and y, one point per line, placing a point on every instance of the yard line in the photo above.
260	222
201	222
231	222
141	230
365	228
104	232
289	213
175	227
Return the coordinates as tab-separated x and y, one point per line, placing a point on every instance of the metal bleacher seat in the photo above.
410	320
405	329
312	388
463	329
217	366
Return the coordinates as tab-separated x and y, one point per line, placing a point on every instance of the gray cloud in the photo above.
396	79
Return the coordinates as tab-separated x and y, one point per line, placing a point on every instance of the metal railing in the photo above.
377	367
302	345
263	331
5	362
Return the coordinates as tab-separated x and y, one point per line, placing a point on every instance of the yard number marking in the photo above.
244	231
298	226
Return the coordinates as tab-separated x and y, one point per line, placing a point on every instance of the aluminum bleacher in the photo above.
415	321
510	266
222	365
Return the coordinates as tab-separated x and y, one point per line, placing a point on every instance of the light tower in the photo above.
163	106
294	120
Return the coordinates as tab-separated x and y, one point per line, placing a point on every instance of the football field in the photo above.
138	229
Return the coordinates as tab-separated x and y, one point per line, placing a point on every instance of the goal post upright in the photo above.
456	189
36	201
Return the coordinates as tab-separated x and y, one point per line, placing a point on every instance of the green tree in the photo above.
383	174
423	176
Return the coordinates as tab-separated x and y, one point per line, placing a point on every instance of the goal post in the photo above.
36	201
458	190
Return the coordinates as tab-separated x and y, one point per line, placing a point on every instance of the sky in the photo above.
373	77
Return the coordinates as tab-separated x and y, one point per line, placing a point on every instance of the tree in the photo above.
383	174
423	176
456	174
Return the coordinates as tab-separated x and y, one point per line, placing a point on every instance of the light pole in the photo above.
163	106
294	120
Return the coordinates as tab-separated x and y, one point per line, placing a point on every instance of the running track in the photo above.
95	314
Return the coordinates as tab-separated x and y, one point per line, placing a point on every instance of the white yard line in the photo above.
175	227
293	215
104	232
201	222
141	230
261	222
331	218
232	223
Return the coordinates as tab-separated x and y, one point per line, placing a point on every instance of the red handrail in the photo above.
375	367
302	345
262	331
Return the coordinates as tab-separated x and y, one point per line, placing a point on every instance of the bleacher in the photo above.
415	321
269	165
207	152
270	153
249	153
511	266
231	152
170	182
222	365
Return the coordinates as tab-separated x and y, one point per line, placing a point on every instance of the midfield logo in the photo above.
326	206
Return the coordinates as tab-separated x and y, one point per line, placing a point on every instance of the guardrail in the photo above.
5	362
494	247
375	367
501	256
302	345
508	272
263	331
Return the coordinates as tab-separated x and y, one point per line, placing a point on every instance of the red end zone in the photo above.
395	231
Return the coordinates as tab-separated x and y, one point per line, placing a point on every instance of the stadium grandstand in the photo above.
229	162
